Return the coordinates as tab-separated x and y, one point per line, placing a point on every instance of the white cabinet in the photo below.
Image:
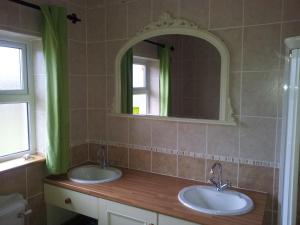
112	213
71	200
167	220
107	212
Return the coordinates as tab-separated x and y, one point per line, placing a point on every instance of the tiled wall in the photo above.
254	31
27	180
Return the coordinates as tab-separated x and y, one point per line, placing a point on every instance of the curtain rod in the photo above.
159	44
73	17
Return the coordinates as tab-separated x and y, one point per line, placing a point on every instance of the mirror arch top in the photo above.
167	25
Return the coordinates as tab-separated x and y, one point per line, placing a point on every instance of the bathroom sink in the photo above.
93	174
207	199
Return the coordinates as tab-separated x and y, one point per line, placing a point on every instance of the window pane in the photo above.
140	104
10	68
139	76
14	128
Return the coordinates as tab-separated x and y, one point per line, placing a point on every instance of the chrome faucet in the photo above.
102	157
216	179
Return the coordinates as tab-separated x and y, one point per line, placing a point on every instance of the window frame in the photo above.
24	95
143	90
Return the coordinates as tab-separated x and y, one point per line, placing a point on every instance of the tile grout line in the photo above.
240	94
205	162
177	147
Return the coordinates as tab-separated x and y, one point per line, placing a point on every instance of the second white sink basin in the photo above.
207	199
92	174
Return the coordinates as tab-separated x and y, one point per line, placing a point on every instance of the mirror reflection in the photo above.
172	75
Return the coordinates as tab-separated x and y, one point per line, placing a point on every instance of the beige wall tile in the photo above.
226	13
97	92
223	140
139	15
164	163
235	91
96	124
291	10
192	137
256	178
95	3
139	160
96	58
110	93
167	6
233	41
260	93
78	125
15	182
278	140
96	24
112	49
78	92
77	58
140	132
257	140
116	22
8	12
35	175
191	168
118	156
30	19
93	152
117	129
229	171
77	31
79	154
38	215
262	11
261	47
196	11
164	134
290	29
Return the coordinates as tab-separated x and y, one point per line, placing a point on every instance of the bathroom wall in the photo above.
27	180
254	31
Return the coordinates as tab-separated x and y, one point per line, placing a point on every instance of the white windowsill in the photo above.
19	162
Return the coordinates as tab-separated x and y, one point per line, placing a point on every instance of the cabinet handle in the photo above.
68	201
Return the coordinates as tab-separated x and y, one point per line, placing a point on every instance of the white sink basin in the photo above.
92	174
207	199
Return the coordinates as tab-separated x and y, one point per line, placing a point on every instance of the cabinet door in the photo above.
167	220
112	213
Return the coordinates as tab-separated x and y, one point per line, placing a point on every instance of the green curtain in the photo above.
126	82
164	81
54	38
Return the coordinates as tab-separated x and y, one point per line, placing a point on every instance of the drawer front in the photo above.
167	220
71	200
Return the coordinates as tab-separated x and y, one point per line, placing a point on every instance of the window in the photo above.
16	100
140	86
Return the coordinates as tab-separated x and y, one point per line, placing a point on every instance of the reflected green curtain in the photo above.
164	81
54	38
126	82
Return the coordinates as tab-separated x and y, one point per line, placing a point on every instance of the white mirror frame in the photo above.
169	25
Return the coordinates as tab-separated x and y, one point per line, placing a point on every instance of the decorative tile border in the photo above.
191	154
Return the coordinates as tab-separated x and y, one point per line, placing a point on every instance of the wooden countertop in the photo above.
158	193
